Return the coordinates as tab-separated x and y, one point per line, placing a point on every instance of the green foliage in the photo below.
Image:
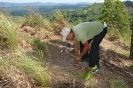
38	45
126	37
1	63
89	13
40	55
34	20
116	16
34	70
73	72
36	42
48	25
118	83
20	62
48	34
59	21
8	32
86	75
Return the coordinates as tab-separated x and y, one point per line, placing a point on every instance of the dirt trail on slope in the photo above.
67	75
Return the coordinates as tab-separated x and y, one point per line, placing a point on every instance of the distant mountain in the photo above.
21	8
6	4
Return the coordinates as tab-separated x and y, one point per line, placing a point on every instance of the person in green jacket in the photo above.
87	35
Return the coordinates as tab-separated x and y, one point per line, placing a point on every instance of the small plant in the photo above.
118	83
60	21
86	75
36	43
33	19
40	55
73	72
126	37
47	34
1	62
47	24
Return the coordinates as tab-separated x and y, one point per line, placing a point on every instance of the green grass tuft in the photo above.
8	31
34	70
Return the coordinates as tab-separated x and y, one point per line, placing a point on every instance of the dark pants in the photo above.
94	50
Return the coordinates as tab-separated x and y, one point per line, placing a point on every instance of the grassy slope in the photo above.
28	69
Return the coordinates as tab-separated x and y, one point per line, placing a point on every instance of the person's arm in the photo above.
85	49
76	51
76	48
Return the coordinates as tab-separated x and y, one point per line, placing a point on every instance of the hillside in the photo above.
114	62
87	13
32	54
91	10
39	62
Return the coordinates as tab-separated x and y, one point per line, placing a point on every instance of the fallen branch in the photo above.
113	67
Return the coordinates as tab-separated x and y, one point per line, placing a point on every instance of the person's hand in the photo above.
76	61
78	58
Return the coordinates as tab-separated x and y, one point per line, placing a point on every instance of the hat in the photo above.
65	32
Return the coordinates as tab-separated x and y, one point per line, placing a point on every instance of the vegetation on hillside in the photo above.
117	19
15	60
8	32
26	48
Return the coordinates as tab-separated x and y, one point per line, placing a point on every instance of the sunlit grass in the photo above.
33	69
48	34
8	30
20	62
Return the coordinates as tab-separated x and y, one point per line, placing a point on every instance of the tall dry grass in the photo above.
8	32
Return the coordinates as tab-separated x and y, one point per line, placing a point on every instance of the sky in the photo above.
56	1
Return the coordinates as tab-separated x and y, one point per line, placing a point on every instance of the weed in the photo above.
36	43
60	22
40	56
117	82
47	34
86	75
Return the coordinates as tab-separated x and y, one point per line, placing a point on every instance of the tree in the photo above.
131	47
116	16
117	19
